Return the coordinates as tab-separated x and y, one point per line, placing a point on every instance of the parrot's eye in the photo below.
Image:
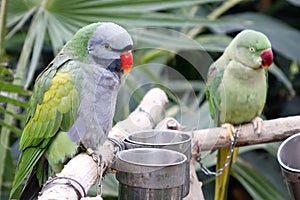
106	46
251	49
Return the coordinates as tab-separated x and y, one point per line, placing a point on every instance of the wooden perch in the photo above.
83	169
145	116
272	131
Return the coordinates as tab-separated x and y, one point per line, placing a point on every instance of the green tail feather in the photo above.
28	160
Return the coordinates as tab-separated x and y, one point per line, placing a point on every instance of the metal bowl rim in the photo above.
279	151
152	165
159	144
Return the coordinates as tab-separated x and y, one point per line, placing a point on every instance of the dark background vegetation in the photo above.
175	43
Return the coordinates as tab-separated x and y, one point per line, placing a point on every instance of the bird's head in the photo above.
110	46
252	49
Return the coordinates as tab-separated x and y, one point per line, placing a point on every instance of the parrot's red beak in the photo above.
267	58
126	62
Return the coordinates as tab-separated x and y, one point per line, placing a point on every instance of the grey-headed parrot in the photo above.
73	103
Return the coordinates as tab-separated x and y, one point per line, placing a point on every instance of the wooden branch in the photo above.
145	116
272	131
83	169
75	171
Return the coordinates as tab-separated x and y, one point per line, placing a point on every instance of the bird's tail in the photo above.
221	184
26	168
31	188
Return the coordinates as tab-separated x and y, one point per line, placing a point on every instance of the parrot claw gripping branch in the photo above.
72	105
236	92
97	158
219	171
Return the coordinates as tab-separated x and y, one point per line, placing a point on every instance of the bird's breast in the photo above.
243	96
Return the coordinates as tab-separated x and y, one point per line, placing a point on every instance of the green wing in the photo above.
214	79
53	109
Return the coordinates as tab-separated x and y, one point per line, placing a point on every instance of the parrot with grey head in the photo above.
236	92
72	104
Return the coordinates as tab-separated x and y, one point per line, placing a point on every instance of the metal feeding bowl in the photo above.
164	139
150	174
288	156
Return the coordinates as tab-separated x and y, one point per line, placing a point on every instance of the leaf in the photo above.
111	185
17	10
215	43
39	26
12	101
12	128
58	33
278	73
255	183
272	148
165	39
294	2
5	71
128	6
9	87
17	116
20	20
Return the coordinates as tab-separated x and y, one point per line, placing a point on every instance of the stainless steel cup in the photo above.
150	174
288	156
165	139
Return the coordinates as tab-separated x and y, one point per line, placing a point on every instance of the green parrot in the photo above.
237	90
72	104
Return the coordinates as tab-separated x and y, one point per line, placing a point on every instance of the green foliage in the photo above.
175	42
7	88
60	20
255	183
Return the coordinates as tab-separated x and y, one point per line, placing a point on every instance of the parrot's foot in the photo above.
232	132
101	165
257	124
